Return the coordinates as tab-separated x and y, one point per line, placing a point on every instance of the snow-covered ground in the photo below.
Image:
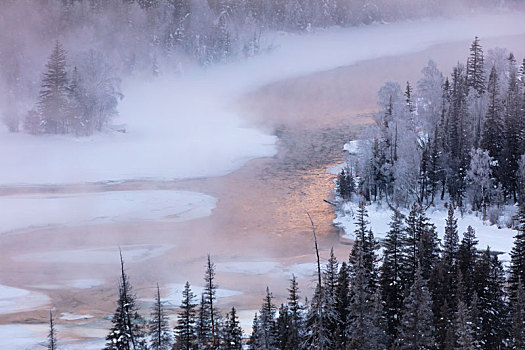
499	239
95	256
20	300
20	337
21	212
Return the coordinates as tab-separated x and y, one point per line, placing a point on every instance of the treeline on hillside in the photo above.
151	35
420	293
459	138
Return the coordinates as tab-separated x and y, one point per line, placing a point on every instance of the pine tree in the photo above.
52	335
342	301
254	338
421	244
296	318
489	283
493	127
128	330
517	254
362	255
54	93
450	239
365	327
392	272
266	337
185	330
411	109
464	329
475	67
159	328
232	332
284	327
208	308
345	184
329	306
467	257
315	332
517	318
458	140
416	327
514	136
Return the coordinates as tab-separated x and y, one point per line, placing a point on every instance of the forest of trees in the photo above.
459	138
418	293
110	39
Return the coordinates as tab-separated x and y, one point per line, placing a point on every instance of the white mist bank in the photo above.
185	127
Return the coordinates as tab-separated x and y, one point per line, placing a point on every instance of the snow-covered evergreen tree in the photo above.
475	67
232	332
159	332
392	272
296	323
517	263
185	330
416	327
266	337
517	318
54	94
52	335
128	330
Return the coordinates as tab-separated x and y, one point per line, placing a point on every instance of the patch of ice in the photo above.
14	300
68	316
25	211
131	253
248	267
75	284
19	337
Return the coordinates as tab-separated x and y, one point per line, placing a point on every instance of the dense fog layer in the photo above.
94	43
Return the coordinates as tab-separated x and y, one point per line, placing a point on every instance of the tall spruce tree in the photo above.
315	335
458	139
266	337
208	310
159	332
475	67
128	330
514	136
365	327
489	283
232	339
493	127
416	327
52	335
422	245
467	257
464	329
186	337
296	317
330	281
517	254
392	272
53	98
342	301
517	318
